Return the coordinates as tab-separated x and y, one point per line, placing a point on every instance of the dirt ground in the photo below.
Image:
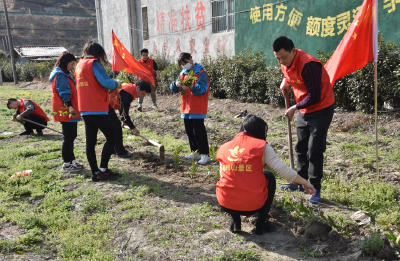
282	244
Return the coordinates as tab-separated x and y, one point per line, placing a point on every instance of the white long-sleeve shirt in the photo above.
274	162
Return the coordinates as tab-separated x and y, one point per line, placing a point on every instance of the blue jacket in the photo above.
200	88
62	86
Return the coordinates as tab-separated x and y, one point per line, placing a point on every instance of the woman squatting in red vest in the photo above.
64	100
194	107
244	188
93	84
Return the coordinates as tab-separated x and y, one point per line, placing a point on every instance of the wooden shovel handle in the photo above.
287	105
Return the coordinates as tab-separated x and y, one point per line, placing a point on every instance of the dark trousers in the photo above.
31	126
69	130
196	132
262	212
312	129
92	125
116	125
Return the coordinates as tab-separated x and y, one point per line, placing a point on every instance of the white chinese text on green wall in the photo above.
311	24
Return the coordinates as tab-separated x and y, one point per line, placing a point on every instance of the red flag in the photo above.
358	45
122	59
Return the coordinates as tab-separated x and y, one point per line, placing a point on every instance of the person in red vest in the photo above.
93	83
194	107
64	99
244	188
151	66
30	110
128	94
314	100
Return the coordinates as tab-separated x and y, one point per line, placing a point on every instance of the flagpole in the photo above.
375	50
376	119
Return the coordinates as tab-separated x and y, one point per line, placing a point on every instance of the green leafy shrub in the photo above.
44	69
28	71
6	71
373	244
167	76
121	75
163	60
244	77
3	55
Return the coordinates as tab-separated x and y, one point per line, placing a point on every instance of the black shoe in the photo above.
94	177
268	227
27	132
264	225
39	133
236	225
139	108
108	174
124	155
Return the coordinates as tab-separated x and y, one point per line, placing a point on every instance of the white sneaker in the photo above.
70	167
190	156
204	159
78	164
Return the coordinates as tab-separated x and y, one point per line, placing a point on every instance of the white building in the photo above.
200	27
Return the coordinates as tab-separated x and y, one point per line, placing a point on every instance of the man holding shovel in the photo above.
30	110
314	100
127	95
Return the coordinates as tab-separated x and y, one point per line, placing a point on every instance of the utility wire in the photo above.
52	5
43	29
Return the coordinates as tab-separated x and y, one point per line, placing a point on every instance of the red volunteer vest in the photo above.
57	103
129	88
293	77
91	95
242	185
38	111
149	65
192	104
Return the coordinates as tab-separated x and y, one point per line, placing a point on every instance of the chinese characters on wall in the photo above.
184	13
315	26
185	19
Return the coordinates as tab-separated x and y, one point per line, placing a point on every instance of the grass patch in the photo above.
361	191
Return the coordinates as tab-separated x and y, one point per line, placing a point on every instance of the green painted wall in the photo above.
258	30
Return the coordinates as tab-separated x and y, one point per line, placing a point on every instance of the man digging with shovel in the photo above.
29	110
128	94
313	93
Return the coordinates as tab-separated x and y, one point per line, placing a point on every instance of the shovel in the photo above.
287	105
154	143
41	125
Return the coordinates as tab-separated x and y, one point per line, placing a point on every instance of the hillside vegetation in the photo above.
66	23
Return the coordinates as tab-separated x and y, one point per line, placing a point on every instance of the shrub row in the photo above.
26	72
245	77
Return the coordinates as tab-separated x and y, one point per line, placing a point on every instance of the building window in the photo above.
223	15
145	23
